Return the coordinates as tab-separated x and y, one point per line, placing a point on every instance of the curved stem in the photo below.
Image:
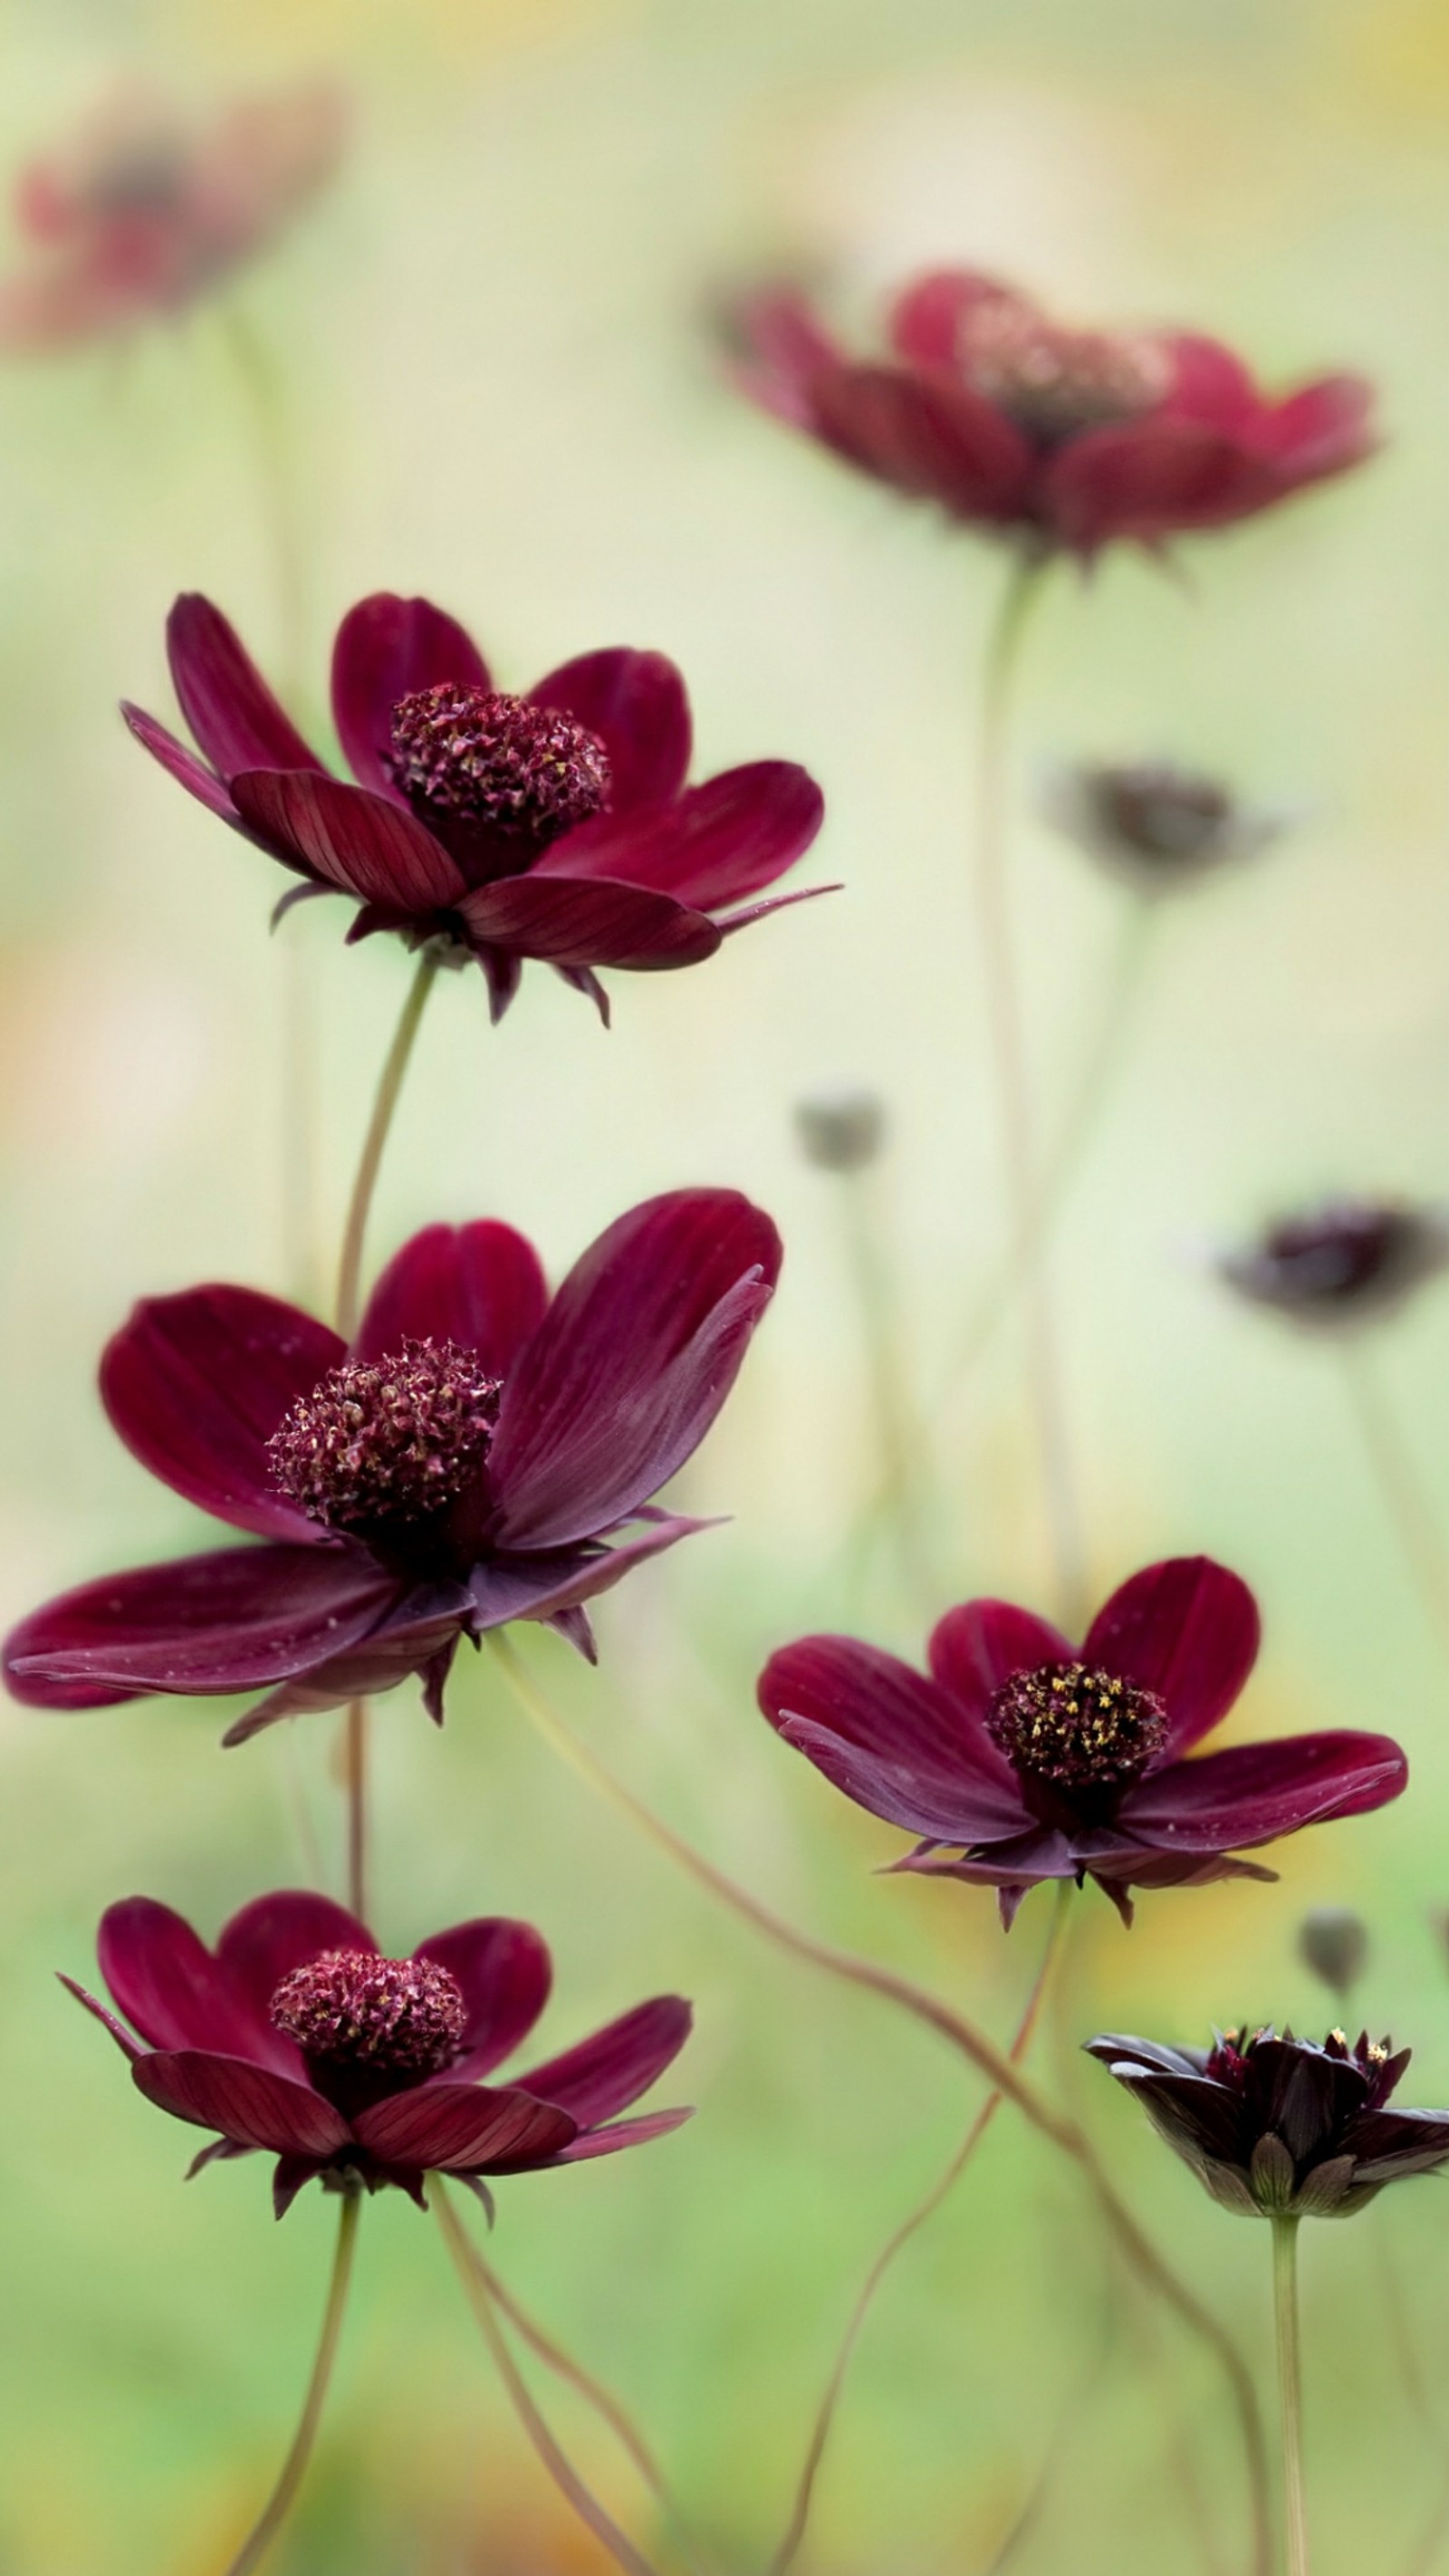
259	2540
1290	2393
389	1087
565	2477
901	2236
1398	1481
952	2026
1013	1088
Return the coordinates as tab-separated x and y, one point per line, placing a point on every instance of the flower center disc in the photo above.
480	762
389	1442
1055	383
1077	1726
349	2008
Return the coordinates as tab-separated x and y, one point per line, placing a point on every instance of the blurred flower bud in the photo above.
841	1131
1155	825
1341	1263
1333	1942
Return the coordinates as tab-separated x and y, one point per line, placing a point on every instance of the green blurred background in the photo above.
492	348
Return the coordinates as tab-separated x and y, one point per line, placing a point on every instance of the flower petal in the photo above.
543	1587
1151	478
1321	429
630	1365
264	1942
609	2070
713	846
386	648
166	1982
413	1629
463	2128
228	705
253	2106
637	703
1186	1629
891	1739
196	1384
505	1972
575	921
361	843
621	2133
1210	383
977	1647
191	773
229	1621
926	318
930	435
481	1285
1035	1855
1252	1793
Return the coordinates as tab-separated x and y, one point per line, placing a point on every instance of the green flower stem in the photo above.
1290	2394
259	2540
389	1089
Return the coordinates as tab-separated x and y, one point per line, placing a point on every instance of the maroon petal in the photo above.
637	703
196	1385
1252	1793
504	1970
403	1641
549	1587
1034	1856
1186	1629
785	348
572	921
386	648
622	2133
714	846
481	1285
192	774
264	1942
925	321
630	1365
166	1981
228	705
230	1621
1321	429
977	1647
891	1740
471	2128
1210	384
125	2040
610	2069
928	435
1148	479
361	843
251	2105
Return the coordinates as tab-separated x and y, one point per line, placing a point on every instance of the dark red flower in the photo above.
1065	438
461	1465
1280	2128
1039	1759
556	825
1341	1264
144	212
296	2038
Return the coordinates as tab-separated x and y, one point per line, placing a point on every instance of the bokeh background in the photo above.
492	347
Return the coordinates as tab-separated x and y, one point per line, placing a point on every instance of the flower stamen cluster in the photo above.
387	1441
1077	1726
485	761
1055	383
350	2008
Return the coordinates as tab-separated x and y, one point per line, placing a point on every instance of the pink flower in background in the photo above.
462	1464
145	210
296	2038
556	826
1065	439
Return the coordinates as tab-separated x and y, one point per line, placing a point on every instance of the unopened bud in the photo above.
1333	1942
841	1131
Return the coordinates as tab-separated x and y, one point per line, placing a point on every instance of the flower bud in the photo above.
1333	1942
841	1131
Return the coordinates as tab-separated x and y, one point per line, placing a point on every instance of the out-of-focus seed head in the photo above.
1333	1942
841	1131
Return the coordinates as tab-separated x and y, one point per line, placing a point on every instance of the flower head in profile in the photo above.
1020	1757
145	211
1061	438
497	828
466	1461
296	2038
1282	2128
1158	827
1342	1263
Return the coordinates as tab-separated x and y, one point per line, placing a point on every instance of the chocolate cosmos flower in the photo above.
461	1465
1280	2128
556	825
1038	1759
1342	1263
295	2038
1158	827
1064	438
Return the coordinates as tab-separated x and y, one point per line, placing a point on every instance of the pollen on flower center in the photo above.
478	760
1055	383
349	2008
386	1442
1076	1726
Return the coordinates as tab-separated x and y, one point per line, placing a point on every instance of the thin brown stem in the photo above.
564	2475
973	2044
355	1750
1006	1023
901	2236
389	1087
1409	1509
259	2540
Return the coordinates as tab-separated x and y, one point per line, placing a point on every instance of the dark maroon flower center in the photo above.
386	1444
479	763
1054	383
354	2013
1077	1727
1161	813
